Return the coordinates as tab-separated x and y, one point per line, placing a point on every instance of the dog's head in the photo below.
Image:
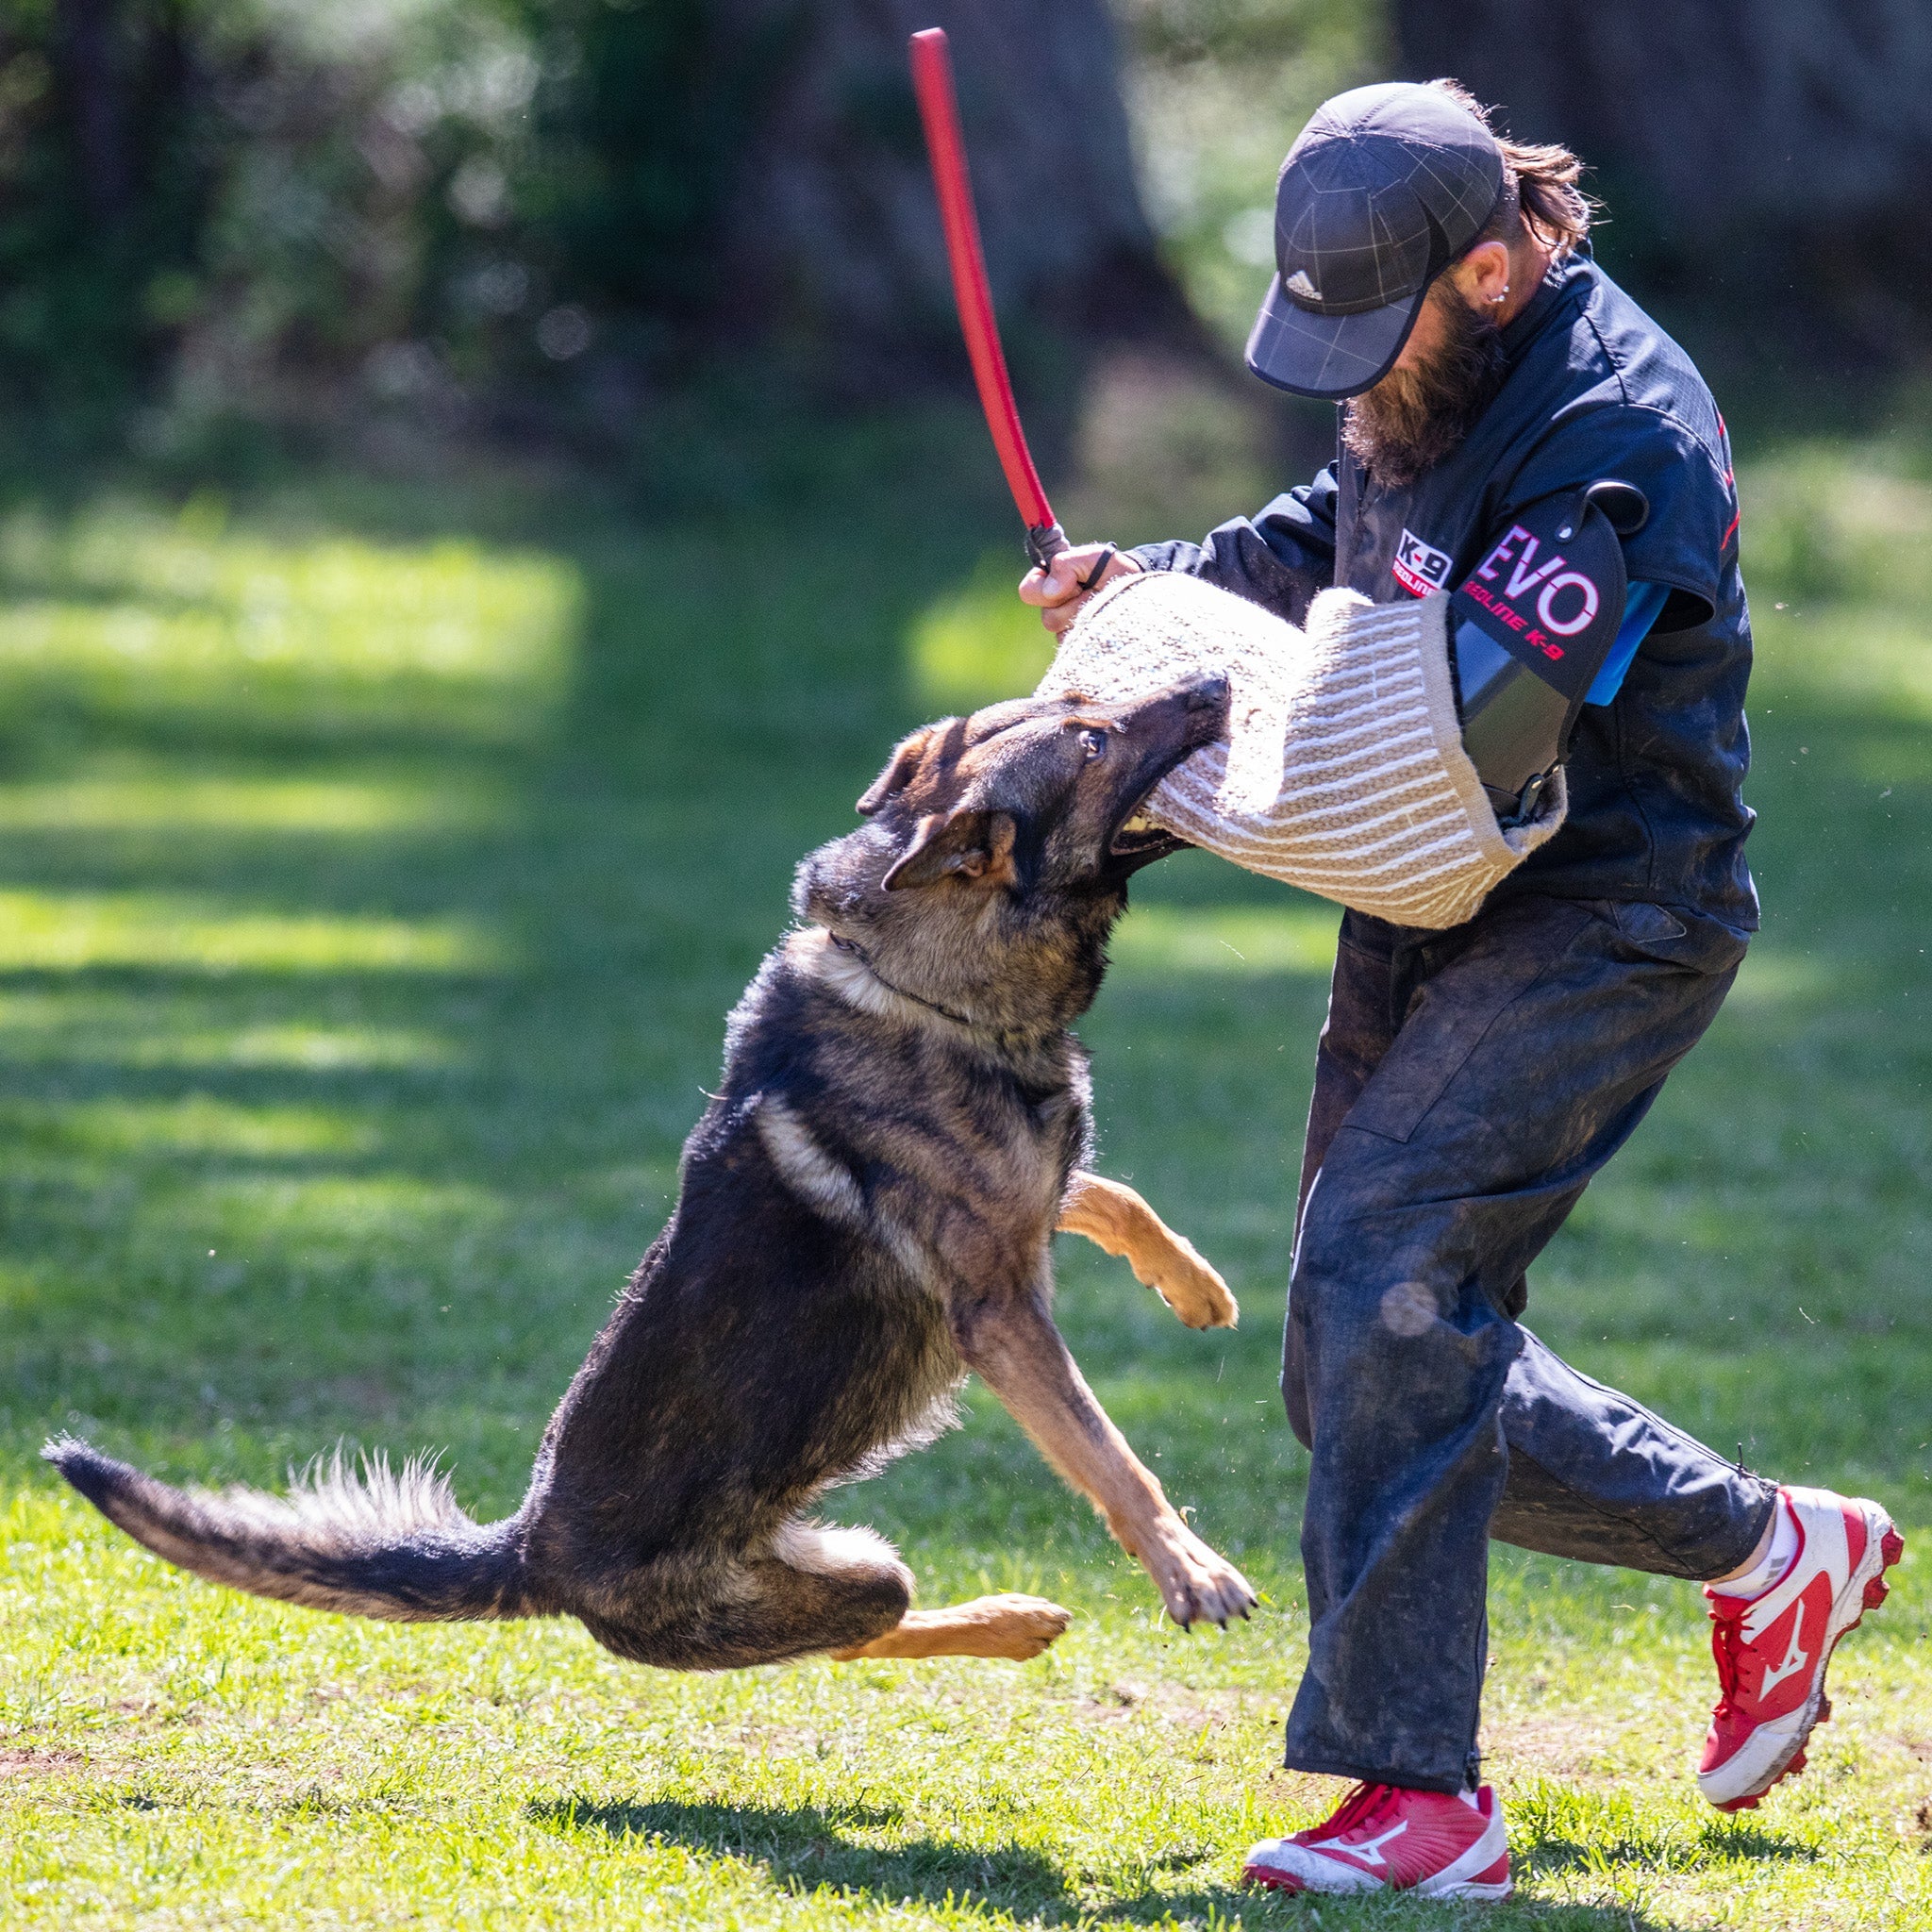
999	847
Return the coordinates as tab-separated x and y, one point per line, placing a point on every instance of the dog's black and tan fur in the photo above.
866	1214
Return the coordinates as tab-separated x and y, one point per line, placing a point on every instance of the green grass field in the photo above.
377	867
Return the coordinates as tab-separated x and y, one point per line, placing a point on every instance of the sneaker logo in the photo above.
1796	1658
1369	1850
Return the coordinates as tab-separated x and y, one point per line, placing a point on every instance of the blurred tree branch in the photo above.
1774	154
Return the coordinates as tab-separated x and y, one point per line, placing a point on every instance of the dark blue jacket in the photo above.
1594	388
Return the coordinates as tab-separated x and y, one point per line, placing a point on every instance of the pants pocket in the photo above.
1676	936
1456	1008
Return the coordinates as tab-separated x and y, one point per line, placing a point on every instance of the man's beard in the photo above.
1414	417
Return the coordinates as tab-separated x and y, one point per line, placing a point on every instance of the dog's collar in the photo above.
865	960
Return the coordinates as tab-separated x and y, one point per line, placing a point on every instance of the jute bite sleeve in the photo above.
1343	772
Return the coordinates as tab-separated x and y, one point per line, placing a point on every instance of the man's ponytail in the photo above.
1538	184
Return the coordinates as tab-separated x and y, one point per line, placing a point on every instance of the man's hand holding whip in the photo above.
1061	590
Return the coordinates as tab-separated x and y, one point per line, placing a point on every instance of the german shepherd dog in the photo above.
865	1215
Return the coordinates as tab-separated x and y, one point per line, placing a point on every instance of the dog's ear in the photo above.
969	843
898	771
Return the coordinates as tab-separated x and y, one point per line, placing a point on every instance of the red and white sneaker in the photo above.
1771	1650
1385	1838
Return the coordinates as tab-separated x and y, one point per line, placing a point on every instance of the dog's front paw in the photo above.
1198	1585
1191	1284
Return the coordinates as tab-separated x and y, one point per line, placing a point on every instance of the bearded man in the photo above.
1435	279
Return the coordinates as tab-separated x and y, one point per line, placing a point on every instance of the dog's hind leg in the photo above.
811	1587
1115	1218
1008	1626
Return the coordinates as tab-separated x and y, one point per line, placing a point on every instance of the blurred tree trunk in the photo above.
105	175
1775	153
86	45
831	236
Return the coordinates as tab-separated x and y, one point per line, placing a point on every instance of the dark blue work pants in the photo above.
1469	1085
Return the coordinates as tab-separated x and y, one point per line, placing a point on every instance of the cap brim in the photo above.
1328	356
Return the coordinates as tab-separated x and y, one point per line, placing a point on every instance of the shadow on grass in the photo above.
1554	1852
806	1848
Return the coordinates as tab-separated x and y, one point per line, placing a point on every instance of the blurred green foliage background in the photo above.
234	226
204	199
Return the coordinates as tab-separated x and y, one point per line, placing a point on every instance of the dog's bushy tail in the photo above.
377	1542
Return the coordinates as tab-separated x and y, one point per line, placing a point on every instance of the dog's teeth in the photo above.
1140	822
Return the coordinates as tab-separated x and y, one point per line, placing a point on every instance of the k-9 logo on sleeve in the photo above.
1419	567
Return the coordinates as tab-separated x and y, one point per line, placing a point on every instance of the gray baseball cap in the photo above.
1384	188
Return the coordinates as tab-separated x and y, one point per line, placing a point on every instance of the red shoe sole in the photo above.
1492	1883
1892	1547
1270	1881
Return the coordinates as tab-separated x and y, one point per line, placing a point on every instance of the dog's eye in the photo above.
1093	743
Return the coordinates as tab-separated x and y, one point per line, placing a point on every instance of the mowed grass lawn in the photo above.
377	867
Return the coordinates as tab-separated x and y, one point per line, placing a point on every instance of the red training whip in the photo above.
939	110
